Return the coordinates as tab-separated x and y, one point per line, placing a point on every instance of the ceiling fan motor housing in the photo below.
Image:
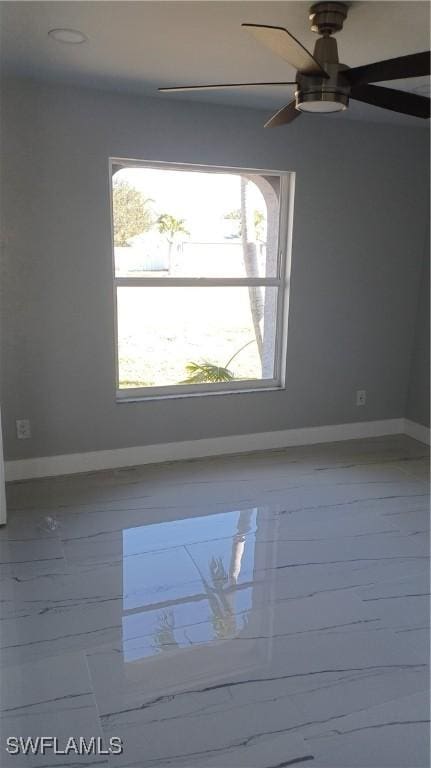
324	94
327	18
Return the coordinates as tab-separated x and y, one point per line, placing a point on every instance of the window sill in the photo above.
120	399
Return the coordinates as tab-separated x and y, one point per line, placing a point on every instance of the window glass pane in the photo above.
177	335
175	223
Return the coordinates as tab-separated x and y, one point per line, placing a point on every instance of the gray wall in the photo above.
360	212
418	402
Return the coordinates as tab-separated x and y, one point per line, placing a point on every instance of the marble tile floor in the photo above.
254	611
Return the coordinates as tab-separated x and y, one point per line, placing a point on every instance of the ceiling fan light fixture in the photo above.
320	101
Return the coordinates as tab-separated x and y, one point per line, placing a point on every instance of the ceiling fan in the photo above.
325	85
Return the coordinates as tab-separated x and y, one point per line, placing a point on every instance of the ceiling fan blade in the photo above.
389	98
284	115
414	65
219	85
281	42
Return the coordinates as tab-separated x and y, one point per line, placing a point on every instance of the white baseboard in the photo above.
46	466
417	431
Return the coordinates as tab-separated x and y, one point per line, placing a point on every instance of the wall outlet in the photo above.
23	429
361	396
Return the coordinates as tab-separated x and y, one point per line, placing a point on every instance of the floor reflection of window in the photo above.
187	582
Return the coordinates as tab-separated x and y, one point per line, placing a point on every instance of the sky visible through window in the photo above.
202	199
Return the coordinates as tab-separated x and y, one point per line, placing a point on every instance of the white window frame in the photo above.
280	281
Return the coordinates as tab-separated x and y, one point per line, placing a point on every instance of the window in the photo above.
199	256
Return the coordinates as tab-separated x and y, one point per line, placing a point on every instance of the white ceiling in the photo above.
138	46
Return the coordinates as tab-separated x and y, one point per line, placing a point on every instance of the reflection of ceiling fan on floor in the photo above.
325	85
